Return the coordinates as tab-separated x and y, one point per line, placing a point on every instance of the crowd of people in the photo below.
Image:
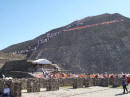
49	36
92	25
56	74
40	41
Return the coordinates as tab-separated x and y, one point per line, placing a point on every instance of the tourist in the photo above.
128	81
3	76
124	84
6	92
43	71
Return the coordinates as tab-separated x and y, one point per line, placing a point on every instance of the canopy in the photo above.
42	61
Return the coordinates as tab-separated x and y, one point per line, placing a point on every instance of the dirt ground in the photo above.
80	92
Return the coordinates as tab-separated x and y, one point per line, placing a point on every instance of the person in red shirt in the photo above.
128	81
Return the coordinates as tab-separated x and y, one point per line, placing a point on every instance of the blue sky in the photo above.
22	20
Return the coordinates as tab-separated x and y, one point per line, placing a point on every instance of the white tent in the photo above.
42	61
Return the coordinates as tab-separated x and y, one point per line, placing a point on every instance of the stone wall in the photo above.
78	83
52	85
66	81
34	85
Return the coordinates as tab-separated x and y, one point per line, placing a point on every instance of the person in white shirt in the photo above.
3	76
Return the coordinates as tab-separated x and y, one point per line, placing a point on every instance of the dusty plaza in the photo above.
80	92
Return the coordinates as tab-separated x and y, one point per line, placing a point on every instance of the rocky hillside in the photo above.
93	44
